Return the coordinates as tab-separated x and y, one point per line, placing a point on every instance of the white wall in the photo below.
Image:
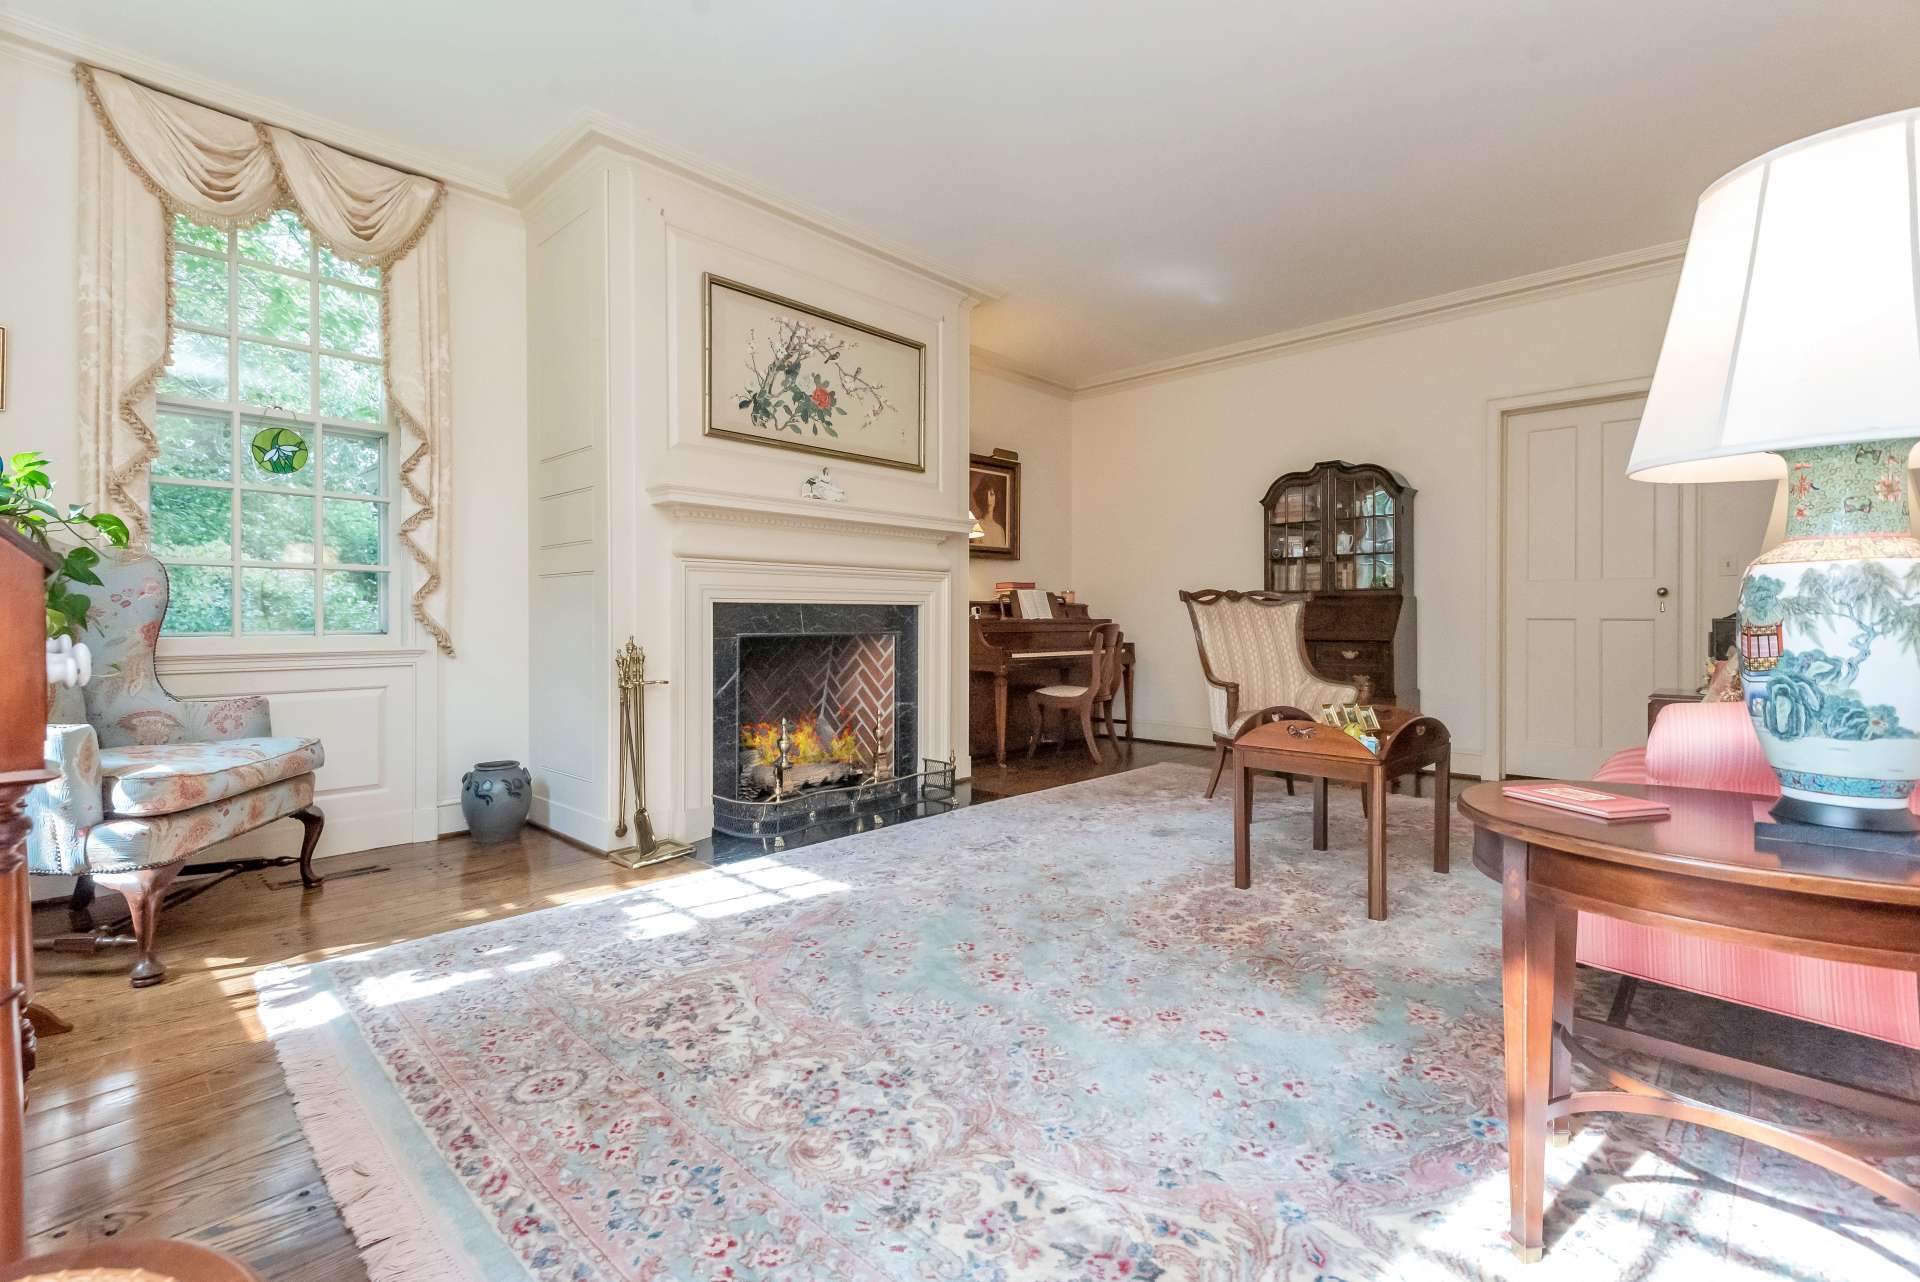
400	729
1168	475
1030	420
1737	520
483	701
39	245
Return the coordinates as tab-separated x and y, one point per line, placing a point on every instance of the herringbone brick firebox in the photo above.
847	670
845	684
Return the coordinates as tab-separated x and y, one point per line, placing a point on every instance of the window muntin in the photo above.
272	496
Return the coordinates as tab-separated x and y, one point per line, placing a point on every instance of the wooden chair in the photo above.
1103	676
1253	654
1116	672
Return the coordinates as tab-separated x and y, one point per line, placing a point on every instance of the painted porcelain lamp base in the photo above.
1830	640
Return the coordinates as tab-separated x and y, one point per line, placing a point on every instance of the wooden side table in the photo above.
1409	742
1697	872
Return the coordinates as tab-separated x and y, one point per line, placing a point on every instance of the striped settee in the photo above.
1713	745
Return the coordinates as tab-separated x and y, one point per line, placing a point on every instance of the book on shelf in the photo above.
1010	586
1610	807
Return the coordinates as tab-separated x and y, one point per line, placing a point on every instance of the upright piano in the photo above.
1012	656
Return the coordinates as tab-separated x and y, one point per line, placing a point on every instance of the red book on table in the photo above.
1608	806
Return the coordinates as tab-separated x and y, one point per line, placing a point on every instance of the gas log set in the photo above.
793	755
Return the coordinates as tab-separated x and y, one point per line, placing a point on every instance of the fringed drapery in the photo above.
146	156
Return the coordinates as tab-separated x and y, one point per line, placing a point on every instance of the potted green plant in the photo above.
25	489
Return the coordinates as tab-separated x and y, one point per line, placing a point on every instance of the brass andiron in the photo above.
630	673
782	759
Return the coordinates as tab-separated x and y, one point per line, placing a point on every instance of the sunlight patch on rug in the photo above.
1042	1038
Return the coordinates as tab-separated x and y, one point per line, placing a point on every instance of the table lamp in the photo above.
1794	349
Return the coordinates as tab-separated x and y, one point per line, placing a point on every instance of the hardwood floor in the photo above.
164	1112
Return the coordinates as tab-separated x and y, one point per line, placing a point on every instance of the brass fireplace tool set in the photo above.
630	674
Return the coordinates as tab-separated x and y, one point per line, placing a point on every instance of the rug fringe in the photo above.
394	1234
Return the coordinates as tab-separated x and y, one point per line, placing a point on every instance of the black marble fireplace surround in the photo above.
735	620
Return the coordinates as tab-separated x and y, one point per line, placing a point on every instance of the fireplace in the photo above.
815	718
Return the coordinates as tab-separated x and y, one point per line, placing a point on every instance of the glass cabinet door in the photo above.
1294	547
1364	529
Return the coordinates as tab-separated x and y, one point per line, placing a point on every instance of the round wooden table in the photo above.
141	1259
1701	872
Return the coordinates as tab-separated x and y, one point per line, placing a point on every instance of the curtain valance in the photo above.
147	156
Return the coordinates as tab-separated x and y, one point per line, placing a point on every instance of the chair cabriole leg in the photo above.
312	821
1219	767
1086	731
80	905
145	890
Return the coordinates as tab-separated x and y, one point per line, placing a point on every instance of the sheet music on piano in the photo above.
1033	603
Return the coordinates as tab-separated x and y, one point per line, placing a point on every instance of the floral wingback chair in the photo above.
147	781
1253	654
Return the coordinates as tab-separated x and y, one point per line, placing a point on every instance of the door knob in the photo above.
1660	592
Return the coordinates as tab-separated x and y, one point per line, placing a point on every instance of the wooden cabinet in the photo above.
23	723
1342	533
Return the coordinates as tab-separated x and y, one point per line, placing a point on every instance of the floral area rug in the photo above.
1042	1038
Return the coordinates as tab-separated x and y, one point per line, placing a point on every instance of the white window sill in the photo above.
225	654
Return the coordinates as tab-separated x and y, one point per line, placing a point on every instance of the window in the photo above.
272	497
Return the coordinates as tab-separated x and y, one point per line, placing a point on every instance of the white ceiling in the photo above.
1137	180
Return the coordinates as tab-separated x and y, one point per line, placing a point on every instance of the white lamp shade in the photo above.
1797	320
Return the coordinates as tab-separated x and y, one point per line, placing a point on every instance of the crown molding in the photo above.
597	129
991	362
699	504
44	42
1572	278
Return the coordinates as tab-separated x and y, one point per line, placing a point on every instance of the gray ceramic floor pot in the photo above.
495	796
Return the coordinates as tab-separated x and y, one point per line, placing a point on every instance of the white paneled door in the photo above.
1592	578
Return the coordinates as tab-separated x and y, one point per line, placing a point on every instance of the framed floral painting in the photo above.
783	374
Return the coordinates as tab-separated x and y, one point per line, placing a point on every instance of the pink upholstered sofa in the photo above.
1713	745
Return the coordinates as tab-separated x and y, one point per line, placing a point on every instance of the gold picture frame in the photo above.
993	499
777	410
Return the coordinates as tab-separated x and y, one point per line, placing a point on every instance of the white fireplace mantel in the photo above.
696	503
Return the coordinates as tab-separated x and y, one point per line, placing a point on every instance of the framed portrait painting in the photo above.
784	374
993	497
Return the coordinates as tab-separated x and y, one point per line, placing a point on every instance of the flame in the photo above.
805	746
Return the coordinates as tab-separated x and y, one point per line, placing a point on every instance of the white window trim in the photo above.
404	637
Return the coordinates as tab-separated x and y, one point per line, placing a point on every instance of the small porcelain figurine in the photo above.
69	662
821	487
